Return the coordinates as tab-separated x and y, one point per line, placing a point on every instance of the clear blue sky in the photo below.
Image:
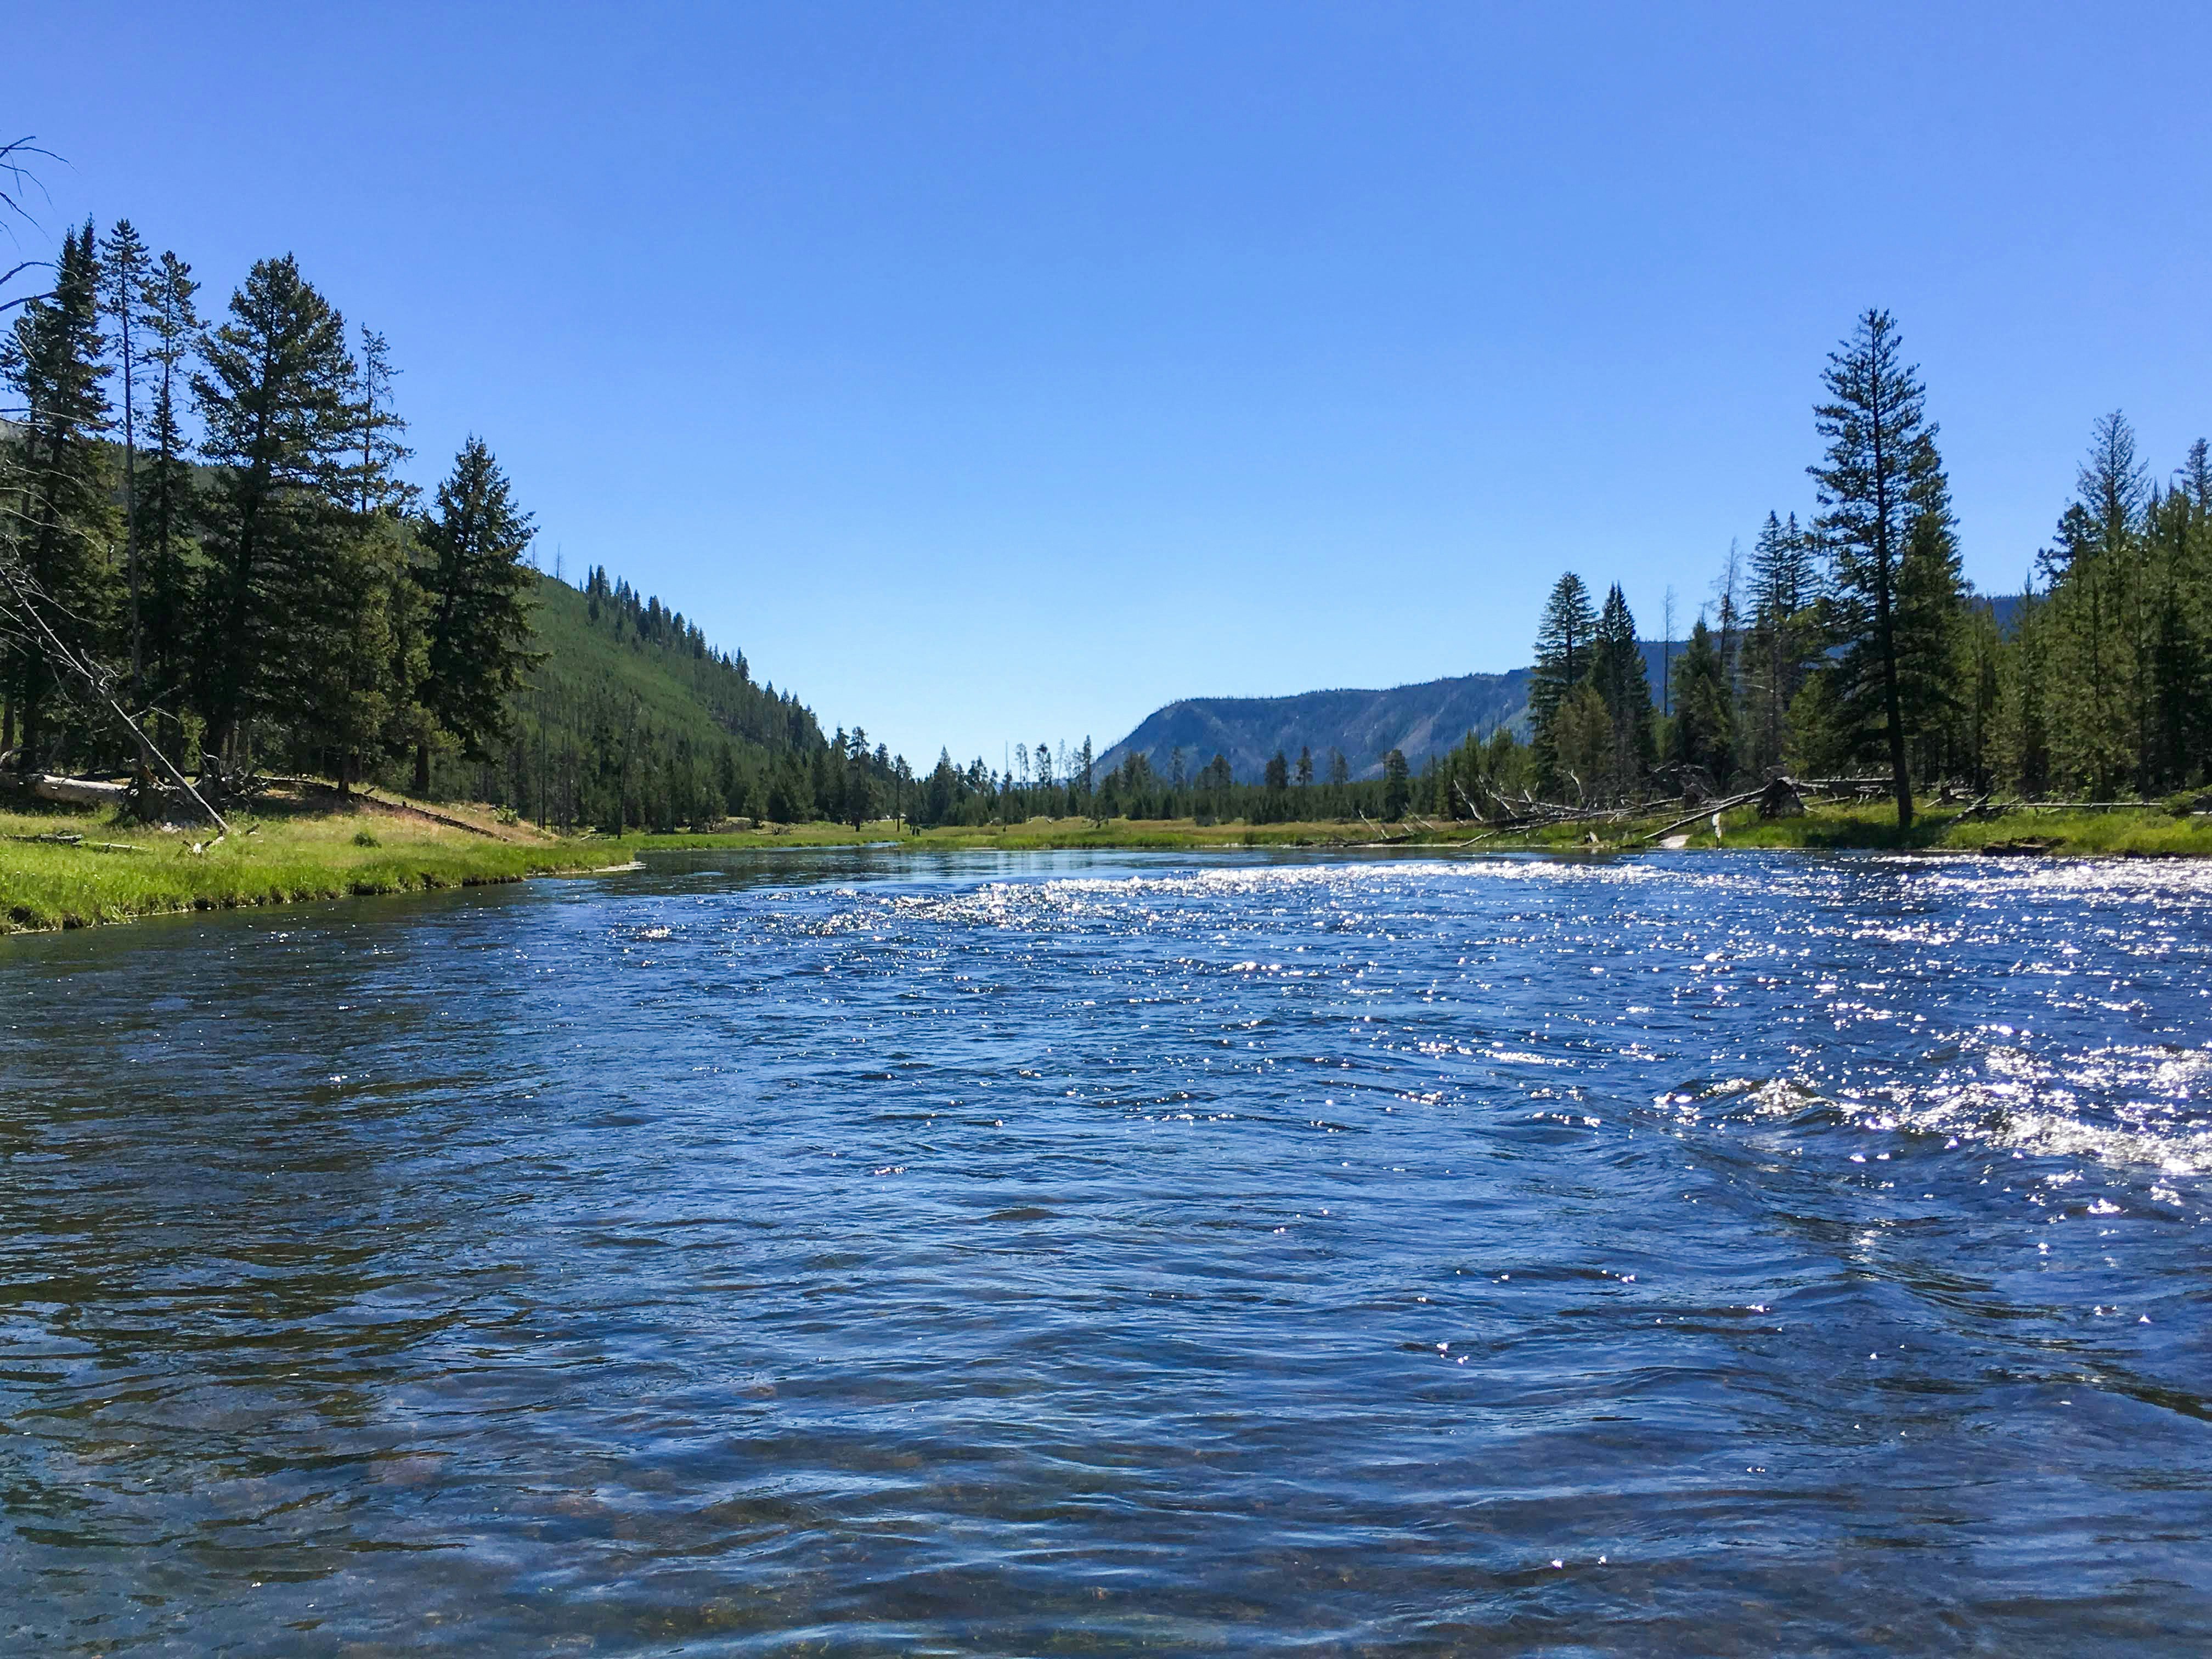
1000	372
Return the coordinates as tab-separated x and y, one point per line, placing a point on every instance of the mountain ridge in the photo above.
1422	719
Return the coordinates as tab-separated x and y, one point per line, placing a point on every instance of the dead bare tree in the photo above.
24	622
16	182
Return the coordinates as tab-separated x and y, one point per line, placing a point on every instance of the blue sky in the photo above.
1000	372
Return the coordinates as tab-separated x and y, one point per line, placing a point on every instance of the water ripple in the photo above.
1103	1253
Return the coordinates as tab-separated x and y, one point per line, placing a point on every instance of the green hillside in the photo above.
634	720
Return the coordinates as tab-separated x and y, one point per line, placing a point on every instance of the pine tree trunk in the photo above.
421	770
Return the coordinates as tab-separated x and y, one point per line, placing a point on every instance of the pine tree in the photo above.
1581	732
859	802
2023	727
1397	786
476	587
1874	486
1705	709
390	640
1979	697
2100	709
377	484
1564	638
2178	534
60	524
1617	673
1785	639
167	507
1930	623
125	264
1564	641
275	398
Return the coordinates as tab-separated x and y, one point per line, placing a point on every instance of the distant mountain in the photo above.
1418	720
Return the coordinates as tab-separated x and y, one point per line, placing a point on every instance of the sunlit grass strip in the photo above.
294	859
2149	831
43	886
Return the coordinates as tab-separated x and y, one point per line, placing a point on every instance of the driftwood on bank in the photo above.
1381	839
77	792
69	838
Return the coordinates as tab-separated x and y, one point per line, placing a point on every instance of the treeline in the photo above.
1038	784
1849	643
215	514
219	508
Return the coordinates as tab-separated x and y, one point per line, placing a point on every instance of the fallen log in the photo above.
78	792
1710	808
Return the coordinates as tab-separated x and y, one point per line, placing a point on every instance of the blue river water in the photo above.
856	1253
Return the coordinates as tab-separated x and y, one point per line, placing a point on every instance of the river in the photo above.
1092	1253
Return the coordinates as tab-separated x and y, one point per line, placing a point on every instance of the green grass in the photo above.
2142	832
2149	831
309	851
278	859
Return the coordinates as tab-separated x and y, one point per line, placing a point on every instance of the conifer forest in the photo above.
1848	644
208	503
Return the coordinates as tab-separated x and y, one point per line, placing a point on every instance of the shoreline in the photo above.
63	870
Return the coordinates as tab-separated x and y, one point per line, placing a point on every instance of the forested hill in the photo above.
633	717
1417	720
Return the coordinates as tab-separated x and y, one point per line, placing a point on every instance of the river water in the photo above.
845	1253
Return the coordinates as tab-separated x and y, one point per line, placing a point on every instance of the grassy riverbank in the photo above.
306	848
286	853
2148	831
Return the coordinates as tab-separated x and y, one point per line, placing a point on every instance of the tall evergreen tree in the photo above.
1704	730
124	265
2179	536
860	781
1874	487
379	449
1565	637
164	518
275	397
60	526
1397	785
477	587
1618	673
1929	622
2022	748
2100	706
390	641
1785	639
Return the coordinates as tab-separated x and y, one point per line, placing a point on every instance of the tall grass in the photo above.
275	861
